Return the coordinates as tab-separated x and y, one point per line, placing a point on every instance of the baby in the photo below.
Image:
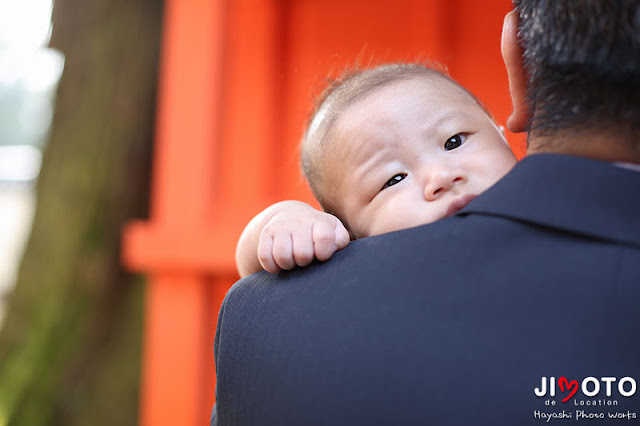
393	147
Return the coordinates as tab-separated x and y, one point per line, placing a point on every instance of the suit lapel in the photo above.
572	194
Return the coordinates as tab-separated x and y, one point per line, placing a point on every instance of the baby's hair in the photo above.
353	86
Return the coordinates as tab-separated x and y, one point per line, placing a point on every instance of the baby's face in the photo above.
411	153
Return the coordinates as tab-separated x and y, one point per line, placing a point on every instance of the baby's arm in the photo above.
287	234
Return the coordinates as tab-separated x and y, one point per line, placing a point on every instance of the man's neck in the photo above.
605	146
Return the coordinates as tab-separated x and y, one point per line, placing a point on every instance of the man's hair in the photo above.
354	85
583	63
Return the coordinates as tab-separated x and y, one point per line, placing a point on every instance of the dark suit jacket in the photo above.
456	322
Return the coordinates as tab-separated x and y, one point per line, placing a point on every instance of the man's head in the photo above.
575	66
400	146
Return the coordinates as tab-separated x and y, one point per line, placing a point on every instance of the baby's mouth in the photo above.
459	203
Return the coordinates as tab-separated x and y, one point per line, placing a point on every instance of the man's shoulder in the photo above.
369	262
457	304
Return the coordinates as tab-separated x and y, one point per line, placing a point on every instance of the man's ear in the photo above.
518	80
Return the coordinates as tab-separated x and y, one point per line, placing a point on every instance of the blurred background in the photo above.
137	138
29	74
70	177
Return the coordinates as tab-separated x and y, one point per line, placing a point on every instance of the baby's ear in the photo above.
518	79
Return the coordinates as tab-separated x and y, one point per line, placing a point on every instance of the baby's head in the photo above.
400	145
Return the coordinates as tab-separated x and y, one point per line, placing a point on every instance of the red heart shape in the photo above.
563	383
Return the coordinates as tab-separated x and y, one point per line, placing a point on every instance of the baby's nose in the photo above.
440	181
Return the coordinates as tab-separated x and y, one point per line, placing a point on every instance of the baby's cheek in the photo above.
396	218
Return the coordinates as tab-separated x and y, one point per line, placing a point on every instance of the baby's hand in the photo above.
296	234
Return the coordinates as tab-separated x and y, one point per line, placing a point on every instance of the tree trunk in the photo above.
70	343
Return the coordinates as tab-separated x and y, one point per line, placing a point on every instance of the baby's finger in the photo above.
283	251
303	247
265	255
324	240
342	235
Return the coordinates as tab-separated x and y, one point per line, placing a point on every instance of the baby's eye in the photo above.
397	178
454	141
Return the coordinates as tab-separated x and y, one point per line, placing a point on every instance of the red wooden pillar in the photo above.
178	247
216	123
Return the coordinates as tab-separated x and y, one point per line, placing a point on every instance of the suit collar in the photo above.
574	194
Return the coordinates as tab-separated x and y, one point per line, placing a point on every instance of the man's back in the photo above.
457	322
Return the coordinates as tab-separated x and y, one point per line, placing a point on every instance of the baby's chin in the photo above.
387	228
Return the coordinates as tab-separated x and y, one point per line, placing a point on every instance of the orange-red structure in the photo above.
237	81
